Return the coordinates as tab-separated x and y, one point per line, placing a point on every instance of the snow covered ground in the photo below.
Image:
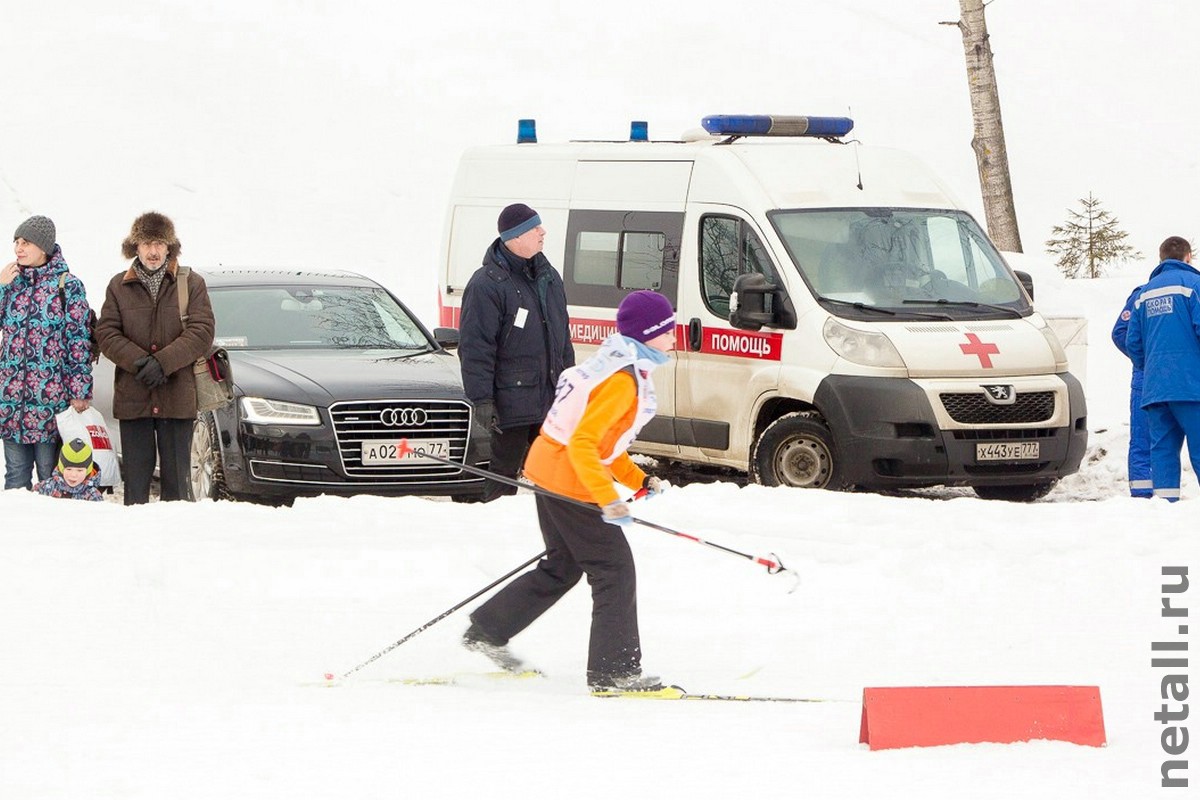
177	650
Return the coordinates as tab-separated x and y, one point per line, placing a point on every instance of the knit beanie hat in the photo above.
75	453
40	231
515	220
644	314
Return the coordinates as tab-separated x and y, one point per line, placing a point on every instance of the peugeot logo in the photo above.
1000	394
403	417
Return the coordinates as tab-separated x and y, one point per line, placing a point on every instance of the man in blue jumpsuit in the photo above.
1138	463
1164	342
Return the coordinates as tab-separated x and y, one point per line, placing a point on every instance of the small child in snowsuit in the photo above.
76	477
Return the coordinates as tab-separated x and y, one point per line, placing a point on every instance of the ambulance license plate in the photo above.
1007	451
376	454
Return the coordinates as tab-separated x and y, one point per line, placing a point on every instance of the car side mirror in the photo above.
1026	280
748	304
447	338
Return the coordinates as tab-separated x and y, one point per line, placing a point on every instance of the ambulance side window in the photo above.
729	248
611	253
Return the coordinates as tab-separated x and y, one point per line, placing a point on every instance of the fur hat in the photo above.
644	315
75	453
39	231
515	220
152	227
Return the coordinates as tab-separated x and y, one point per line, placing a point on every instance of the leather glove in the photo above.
617	513
485	415
151	372
655	486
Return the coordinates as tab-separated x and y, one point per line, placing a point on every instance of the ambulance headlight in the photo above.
1056	348
869	348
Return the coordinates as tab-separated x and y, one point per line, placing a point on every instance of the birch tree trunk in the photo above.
988	143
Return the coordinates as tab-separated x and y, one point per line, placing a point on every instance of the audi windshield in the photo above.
313	317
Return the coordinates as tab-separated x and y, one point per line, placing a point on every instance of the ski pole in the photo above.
772	563
404	447
437	619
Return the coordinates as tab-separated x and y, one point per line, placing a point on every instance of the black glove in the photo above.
485	416
150	372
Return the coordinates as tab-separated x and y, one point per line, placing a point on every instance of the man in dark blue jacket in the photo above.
1138	462
1164	342
514	340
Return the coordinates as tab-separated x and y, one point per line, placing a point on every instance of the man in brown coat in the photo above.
141	332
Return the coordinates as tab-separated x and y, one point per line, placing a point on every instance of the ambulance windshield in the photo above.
907	260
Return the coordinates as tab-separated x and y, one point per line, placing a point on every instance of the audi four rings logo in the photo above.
999	394
403	417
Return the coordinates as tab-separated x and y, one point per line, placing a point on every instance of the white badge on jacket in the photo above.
522	314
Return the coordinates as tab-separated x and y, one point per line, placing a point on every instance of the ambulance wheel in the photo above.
1016	492
796	450
208	471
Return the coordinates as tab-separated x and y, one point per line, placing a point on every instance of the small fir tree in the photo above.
1089	240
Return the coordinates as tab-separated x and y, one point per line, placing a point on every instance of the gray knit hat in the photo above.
39	231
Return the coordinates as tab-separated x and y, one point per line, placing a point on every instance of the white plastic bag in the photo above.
89	425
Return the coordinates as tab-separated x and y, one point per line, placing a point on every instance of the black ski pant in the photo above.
578	542
147	439
509	448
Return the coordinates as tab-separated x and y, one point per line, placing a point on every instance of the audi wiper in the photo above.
967	304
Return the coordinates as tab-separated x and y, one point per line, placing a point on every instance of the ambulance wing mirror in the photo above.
748	304
447	338
1026	280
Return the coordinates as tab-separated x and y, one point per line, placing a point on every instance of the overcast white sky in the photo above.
321	133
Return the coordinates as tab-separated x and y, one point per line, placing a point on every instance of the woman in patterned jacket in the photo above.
46	355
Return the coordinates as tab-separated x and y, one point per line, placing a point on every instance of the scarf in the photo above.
151	280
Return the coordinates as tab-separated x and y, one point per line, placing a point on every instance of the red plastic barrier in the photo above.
925	716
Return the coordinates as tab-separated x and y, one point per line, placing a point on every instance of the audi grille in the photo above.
366	421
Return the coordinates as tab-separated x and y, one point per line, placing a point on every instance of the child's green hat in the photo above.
75	453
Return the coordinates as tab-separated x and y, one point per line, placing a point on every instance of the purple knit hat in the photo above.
645	314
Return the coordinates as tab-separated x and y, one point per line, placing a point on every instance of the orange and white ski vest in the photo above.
575	385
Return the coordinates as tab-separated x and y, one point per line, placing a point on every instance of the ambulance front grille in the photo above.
967	408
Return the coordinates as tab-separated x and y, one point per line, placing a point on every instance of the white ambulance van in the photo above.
842	320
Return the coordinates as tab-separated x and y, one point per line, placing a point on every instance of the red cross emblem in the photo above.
985	350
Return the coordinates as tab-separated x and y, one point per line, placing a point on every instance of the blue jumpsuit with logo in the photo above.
1163	340
1140	483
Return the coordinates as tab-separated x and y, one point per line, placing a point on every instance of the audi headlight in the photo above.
261	411
869	348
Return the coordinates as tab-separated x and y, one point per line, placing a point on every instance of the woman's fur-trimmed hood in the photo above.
152	227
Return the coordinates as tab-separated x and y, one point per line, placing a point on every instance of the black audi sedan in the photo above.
330	373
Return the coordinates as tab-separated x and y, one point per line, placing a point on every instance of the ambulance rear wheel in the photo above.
796	450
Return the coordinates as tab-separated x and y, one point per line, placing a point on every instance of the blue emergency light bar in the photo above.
766	125
526	131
